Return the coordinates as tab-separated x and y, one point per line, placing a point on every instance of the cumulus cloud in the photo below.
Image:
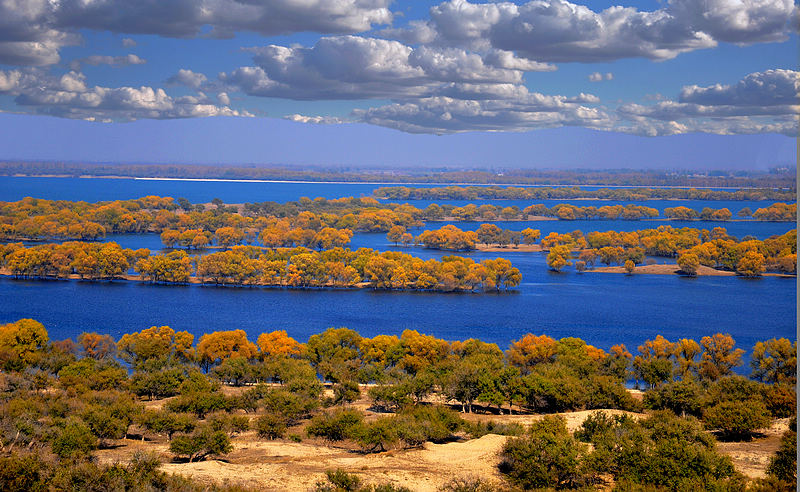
561	31
187	78
761	102
442	115
114	61
32	32
318	120
351	67
128	43
70	96
599	77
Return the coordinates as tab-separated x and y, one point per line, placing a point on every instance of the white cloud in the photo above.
69	96
114	61
599	77
560	31
318	120
187	78
761	102
350	67
33	31
442	115
128	43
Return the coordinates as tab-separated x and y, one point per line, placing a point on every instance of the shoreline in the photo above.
702	271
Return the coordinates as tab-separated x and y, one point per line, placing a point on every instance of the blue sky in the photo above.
706	83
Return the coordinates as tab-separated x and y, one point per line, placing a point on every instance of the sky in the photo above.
541	83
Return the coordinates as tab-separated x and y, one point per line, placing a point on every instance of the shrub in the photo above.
546	457
336	426
682	397
203	442
163	421
199	403
783	466
346	392
293	406
74	439
781	400
468	484
737	420
271	426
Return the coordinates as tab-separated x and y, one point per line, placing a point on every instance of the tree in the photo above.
530	350
156	343
22	340
751	264
278	344
200	444
548	456
395	234
685	352
97	346
74	439
719	357
558	258
630	266
737	419
215	347
530	236
775	361
689	263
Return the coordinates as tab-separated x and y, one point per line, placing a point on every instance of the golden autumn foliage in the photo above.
156	342
220	345
278	344
22	340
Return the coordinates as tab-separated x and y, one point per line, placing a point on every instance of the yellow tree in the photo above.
278	344
531	350
719	356
558	258
22	340
685	352
215	347
775	361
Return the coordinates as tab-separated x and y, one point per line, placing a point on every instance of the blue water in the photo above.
603	309
101	189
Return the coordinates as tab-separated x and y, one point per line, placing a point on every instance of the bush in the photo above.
546	457
346	392
271	426
199	403
737	420
202	443
336	426
682	397
480	429
162	421
468	484
662	450
781	400
73	440
293	406
783	466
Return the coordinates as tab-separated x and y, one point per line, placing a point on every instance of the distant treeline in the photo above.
787	193
617	177
318	223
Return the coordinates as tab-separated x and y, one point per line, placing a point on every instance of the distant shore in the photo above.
702	271
393	183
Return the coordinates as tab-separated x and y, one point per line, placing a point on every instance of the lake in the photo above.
603	309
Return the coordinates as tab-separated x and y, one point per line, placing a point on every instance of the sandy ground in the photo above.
674	270
284	465
752	457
